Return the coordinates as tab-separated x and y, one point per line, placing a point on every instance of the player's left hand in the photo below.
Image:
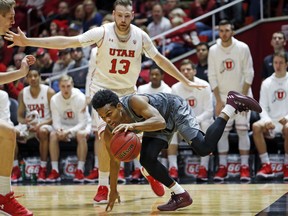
16	39
112	198
123	127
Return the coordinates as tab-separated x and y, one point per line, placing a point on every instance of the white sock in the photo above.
244	160
286	158
121	165
223	160
205	161
81	165
5	185
229	110
55	165
177	189
137	164
96	161
103	178
15	163
172	161
264	158
43	164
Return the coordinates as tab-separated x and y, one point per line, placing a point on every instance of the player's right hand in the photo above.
26	62
112	198
16	39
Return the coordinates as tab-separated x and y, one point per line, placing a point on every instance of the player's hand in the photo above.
123	127
18	39
112	198
26	62
283	121
269	126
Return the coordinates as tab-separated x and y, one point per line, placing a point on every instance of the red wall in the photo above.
258	39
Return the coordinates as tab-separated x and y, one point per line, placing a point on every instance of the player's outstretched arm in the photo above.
55	42
11	76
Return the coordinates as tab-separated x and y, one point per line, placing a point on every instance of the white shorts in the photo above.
97	122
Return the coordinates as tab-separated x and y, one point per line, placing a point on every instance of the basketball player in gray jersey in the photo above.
158	116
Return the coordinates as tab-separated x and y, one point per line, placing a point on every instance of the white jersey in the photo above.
66	113
118	64
41	103
200	100
5	107
147	88
274	98
229	67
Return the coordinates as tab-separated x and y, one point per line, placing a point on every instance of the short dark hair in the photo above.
203	44
156	67
103	97
226	22
124	3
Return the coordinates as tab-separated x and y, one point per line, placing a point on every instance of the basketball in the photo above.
125	146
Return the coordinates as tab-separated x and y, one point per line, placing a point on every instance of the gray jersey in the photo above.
176	112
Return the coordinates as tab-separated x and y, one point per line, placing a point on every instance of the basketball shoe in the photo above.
79	176
42	174
242	103
10	206
176	201
93	175
202	174
221	174
54	176
285	172
121	176
16	175
265	171
156	186
173	172
245	173
136	175
101	195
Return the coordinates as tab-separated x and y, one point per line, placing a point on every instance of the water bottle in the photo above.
22	169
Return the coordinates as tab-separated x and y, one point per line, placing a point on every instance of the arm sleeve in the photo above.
56	122
208	106
93	36
248	66
212	73
264	102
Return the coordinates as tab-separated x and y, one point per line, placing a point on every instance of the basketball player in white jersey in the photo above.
118	63
34	117
9	205
202	104
69	123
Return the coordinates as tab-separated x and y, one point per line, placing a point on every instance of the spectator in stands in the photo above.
69	122
274	116
202	104
157	84
230	67
199	8
160	23
34	117
79	13
79	76
202	50
46	64
14	88
234	14
75	28
63	13
278	42
5	53
169	6
92	16
143	11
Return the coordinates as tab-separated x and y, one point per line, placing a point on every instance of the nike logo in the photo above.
2	206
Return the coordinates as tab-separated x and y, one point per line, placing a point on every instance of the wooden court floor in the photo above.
208	199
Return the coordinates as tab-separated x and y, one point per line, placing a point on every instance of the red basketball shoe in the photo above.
136	175
16	175
242	103
79	176
10	206
53	177
121	176
42	174
176	201
221	174
285	172
101	195
173	172
93	175
202	174
156	186
265	171
245	173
